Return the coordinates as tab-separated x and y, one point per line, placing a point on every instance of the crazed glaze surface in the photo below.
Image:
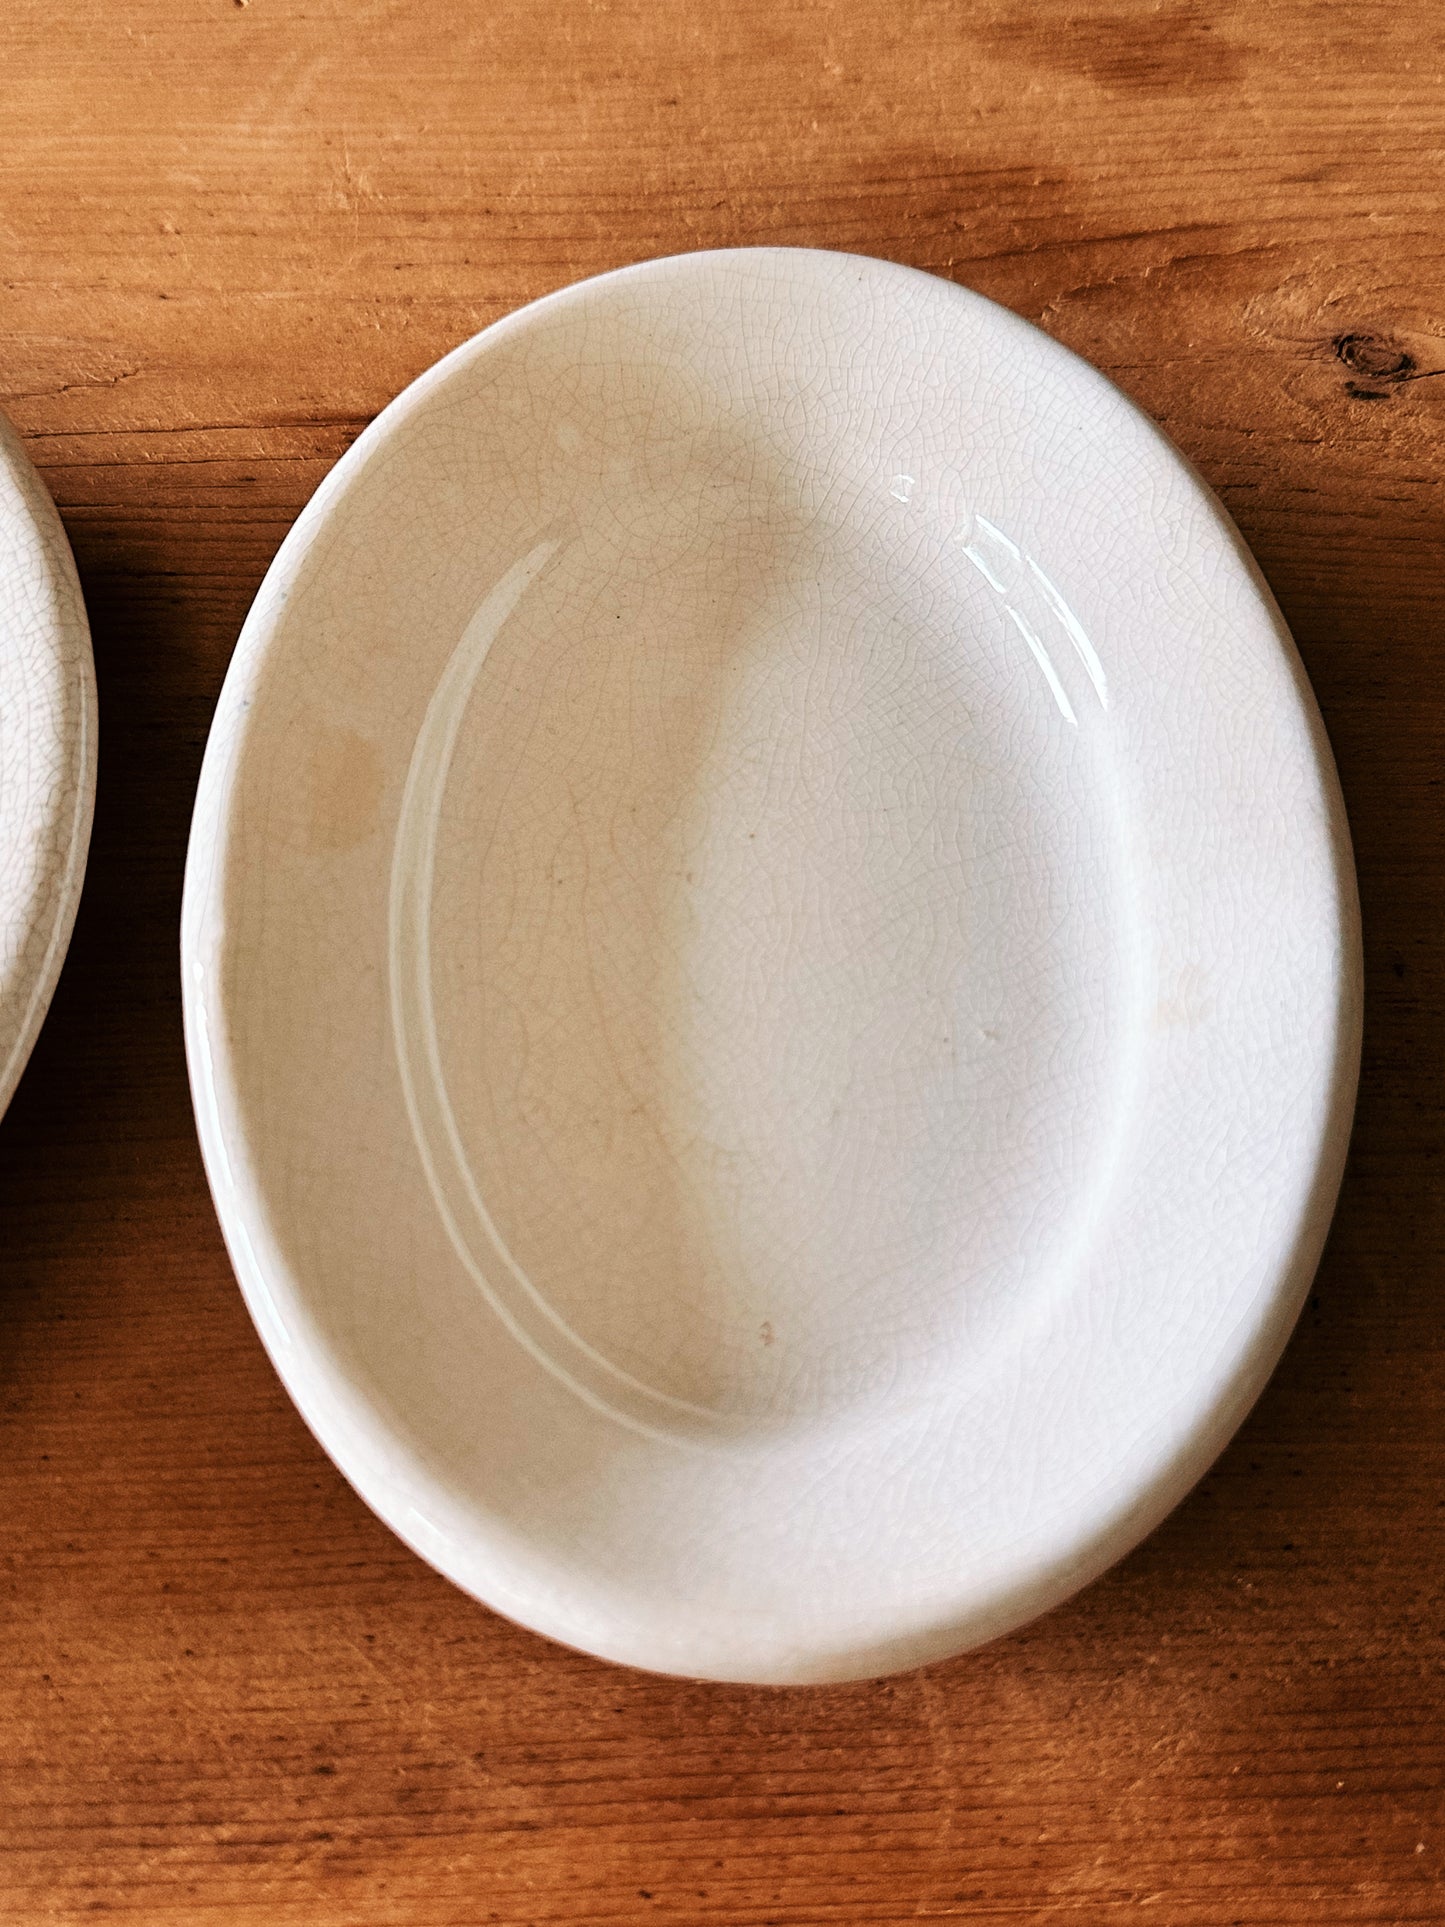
771	968
47	753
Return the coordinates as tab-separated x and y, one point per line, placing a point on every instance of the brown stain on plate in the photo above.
1189	1003
346	780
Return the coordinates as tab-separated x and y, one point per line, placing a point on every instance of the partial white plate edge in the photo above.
64	635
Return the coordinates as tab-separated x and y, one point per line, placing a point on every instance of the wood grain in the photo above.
230	231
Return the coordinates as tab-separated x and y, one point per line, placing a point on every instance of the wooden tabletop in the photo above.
230	230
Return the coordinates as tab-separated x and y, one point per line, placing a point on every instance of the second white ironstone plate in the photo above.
47	752
771	968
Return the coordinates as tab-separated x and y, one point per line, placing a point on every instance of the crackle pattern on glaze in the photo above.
810	717
47	752
473	1230
814	784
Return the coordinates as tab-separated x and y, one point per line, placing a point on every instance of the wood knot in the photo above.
1376	359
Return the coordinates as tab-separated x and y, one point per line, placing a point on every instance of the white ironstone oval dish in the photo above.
771	968
47	753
